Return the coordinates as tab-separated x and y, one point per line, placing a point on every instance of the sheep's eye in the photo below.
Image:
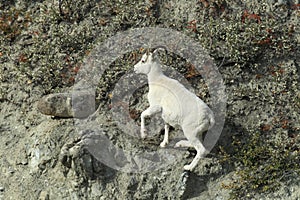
143	61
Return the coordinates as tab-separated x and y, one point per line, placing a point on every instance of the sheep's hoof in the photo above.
183	143
206	152
177	145
188	167
143	135
163	144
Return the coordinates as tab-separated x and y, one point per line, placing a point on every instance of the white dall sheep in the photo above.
178	105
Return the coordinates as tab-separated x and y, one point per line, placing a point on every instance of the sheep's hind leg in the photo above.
193	140
166	136
146	113
201	152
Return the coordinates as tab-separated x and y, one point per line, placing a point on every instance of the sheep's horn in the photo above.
158	48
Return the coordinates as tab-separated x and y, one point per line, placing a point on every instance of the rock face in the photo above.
56	105
42	46
66	105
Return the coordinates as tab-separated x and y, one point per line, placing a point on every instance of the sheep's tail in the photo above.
211	121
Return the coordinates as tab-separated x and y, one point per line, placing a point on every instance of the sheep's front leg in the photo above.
146	113
166	136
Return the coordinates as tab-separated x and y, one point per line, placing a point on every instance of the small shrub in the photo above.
12	22
245	34
263	164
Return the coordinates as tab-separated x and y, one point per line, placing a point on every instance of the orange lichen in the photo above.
192	25
192	71
247	15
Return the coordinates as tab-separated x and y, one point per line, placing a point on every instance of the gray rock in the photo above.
76	104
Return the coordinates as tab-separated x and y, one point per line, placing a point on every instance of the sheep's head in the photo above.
148	60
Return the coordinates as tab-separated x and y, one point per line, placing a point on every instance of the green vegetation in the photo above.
12	22
246	35
263	163
55	39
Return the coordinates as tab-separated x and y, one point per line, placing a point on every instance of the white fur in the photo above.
178	105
